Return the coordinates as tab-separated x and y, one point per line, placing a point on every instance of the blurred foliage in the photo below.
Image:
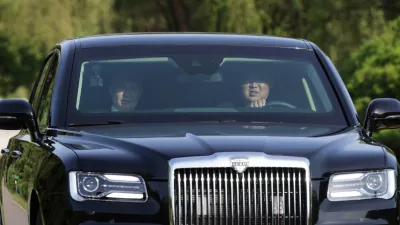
29	28
360	36
376	68
376	74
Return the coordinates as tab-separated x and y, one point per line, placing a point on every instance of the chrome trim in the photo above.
300	192
283	196
184	196
278	196
261	198
8	117
290	205
255	195
272	198
191	198
220	195
266	192
238	199
197	191
208	198
180	200
294	190
244	201
223	160
202	199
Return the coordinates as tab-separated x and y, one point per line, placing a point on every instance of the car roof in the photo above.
181	38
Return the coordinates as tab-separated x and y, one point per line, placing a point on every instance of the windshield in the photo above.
200	83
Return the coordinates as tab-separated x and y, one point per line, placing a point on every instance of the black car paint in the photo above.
147	152
151	163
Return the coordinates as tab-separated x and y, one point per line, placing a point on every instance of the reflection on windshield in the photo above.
198	83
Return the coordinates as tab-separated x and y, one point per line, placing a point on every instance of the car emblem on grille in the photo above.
240	164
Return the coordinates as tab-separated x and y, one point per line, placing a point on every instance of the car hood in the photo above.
146	149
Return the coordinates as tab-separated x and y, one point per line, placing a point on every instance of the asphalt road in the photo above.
5	135
16	215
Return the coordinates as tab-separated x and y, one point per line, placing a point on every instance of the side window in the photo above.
39	84
44	102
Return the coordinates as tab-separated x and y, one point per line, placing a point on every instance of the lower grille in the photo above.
258	196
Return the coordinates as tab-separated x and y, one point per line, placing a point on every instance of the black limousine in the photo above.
195	128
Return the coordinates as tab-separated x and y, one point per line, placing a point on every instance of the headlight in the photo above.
362	185
96	186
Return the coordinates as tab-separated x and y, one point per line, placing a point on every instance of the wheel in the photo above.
39	219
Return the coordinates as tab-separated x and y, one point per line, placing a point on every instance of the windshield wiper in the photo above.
111	122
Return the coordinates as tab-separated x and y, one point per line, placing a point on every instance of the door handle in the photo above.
4	151
16	154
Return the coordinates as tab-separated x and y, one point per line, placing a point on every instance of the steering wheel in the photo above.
280	104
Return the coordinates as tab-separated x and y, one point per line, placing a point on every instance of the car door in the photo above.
23	154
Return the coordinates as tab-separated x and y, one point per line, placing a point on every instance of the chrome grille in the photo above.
258	196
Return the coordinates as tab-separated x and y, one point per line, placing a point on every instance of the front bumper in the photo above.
375	211
156	210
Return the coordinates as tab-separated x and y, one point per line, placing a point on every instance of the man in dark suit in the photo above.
125	93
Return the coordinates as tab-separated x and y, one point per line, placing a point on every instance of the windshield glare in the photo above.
196	83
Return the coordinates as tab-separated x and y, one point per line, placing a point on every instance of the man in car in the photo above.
125	93
256	90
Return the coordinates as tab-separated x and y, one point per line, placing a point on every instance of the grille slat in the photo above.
202	211
283	196
249	196
272	199
255	197
266	198
220	199
208	199
232	202
196	196
295	198
261	199
214	199
222	196
191	196
180	196
238	199
244	190
289	197
300	202
278	198
184	198
226	199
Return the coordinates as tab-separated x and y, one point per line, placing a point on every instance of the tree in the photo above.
28	29
16	64
376	74
376	71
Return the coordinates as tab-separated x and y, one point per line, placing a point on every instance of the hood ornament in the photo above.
240	164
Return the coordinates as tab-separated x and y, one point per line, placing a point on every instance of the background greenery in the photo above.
360	36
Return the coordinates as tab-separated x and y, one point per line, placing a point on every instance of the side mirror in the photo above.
382	113
17	114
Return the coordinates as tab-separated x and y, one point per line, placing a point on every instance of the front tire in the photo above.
39	219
